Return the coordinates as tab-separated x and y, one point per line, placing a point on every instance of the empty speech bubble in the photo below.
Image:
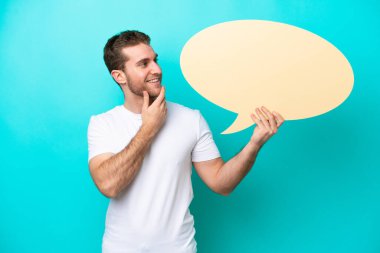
244	64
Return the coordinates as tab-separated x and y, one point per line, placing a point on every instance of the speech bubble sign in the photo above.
244	64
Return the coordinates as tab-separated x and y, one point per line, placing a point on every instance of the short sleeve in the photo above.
205	148
99	137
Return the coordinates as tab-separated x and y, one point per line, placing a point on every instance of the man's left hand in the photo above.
267	124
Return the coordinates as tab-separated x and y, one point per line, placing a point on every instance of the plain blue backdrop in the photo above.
314	188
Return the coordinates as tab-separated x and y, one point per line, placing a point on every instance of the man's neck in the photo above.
135	103
133	107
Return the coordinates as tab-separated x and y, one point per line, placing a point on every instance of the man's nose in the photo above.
156	69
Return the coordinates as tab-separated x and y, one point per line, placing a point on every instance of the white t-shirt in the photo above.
152	213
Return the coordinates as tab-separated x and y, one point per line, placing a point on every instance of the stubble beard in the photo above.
139	91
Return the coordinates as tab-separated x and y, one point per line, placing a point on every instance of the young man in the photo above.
141	154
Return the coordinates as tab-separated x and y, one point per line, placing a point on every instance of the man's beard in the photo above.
135	89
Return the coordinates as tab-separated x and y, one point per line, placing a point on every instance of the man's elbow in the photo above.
223	191
107	190
105	187
109	194
225	194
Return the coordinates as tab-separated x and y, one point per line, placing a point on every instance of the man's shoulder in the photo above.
107	115
175	107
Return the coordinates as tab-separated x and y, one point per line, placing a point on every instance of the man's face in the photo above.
142	71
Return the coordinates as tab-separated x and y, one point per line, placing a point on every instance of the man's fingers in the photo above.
262	118
162	105
161	96
256	120
272	121
279	118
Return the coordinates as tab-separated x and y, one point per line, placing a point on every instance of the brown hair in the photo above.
112	56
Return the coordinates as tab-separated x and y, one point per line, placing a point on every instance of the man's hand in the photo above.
267	125
154	115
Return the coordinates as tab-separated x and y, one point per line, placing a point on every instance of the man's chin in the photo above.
154	92
154	96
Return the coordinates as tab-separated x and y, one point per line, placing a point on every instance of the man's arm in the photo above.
113	173
223	177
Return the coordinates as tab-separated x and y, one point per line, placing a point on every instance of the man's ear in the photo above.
119	76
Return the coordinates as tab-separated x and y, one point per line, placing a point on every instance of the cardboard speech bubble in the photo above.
244	64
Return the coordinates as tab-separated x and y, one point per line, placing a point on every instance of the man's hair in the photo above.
113	57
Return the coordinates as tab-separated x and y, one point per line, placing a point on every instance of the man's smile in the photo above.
154	80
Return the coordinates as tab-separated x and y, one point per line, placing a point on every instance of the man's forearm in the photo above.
233	171
116	173
230	174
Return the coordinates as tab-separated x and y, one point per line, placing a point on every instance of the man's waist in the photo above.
149	242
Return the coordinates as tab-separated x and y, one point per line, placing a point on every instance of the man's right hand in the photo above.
154	115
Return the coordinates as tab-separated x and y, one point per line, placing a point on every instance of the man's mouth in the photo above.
154	80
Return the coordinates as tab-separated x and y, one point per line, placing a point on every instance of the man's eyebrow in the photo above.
146	59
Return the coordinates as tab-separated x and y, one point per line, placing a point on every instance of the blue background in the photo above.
314	188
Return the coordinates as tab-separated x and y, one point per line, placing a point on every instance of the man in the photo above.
141	152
